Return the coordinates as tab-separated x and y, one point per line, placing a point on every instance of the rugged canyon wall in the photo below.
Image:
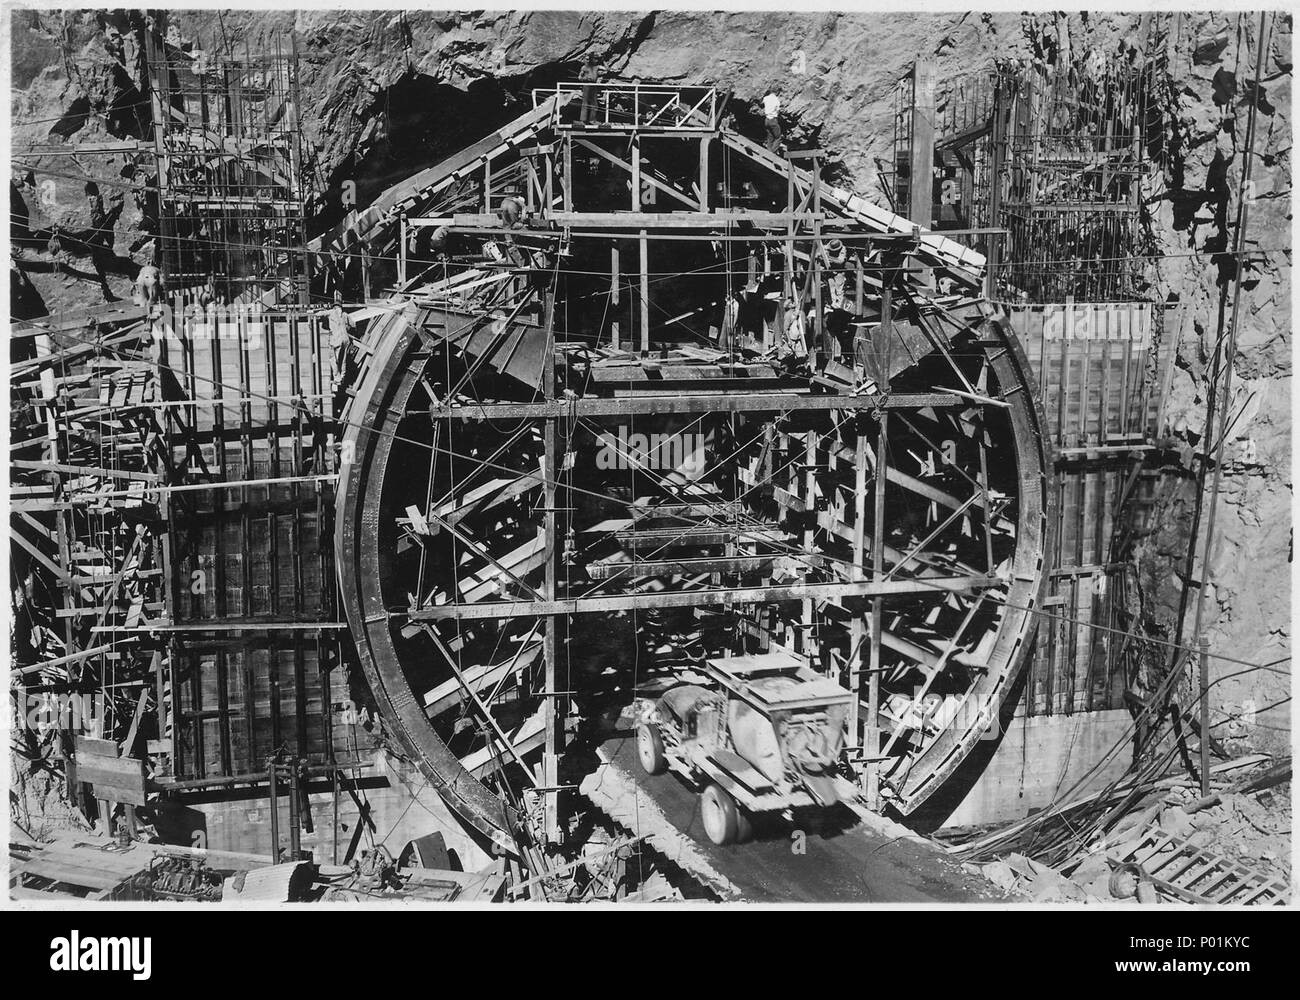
1194	208
387	93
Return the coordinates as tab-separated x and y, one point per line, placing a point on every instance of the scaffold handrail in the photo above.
642	107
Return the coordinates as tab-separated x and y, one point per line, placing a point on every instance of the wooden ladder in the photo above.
1181	869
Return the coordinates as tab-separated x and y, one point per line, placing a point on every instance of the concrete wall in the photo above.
1042	757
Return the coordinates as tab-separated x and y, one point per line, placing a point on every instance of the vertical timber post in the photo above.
921	190
645	293
1205	716
334	797
614	269
636	173
401	254
857	630
552	708
810	505
704	173
294	111
920	193
548	183
295	817
273	796
568	174
871	733
997	155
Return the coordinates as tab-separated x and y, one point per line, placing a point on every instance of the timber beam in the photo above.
698	598
695	403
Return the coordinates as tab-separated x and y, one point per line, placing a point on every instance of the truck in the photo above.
765	733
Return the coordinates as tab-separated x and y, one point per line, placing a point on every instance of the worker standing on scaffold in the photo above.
772	108
589	76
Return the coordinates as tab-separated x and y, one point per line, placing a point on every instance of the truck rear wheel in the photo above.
650	748
721	815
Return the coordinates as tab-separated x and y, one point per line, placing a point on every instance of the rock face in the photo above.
1247	601
387	93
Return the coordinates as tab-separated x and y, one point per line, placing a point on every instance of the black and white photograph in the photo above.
675	459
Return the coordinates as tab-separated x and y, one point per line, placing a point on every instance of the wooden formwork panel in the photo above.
259	418
1074	667
1102	368
283	572
238	700
253	559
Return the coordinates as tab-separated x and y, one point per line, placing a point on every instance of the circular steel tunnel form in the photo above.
375	414
381	400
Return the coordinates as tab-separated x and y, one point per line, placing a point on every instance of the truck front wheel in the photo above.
721	815
650	748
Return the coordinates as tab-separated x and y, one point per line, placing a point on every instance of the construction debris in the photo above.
1172	846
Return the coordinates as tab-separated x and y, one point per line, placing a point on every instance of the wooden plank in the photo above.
129	741
450	694
689	566
511	568
920	193
116	779
743	772
429	182
94	747
118	793
37	554
665	538
123	864
528	737
68	874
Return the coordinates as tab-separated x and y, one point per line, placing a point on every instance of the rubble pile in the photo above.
1251	829
1019	877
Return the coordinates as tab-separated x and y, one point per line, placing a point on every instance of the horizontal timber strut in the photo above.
229	484
632	221
855	236
636	220
261	777
697	598
237	625
698	403
61	661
